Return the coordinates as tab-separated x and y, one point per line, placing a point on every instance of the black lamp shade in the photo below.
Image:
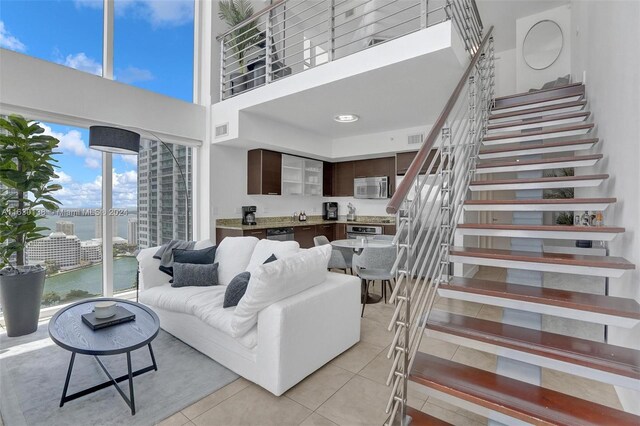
114	140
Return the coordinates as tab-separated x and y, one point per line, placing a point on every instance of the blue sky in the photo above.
153	50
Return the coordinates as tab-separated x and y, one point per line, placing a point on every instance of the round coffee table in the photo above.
69	332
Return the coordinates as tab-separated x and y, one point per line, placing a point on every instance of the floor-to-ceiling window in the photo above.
67	32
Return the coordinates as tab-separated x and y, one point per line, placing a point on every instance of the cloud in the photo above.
62	178
82	62
159	13
72	143
129	159
131	75
89	194
10	42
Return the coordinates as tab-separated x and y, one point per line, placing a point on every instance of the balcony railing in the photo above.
291	36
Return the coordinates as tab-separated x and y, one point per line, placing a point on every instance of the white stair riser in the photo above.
535	266
475	408
541	361
525	126
543	166
536	207
525	137
537	185
552	235
539	308
574	98
541	150
525	115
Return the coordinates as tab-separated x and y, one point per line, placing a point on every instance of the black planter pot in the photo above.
20	296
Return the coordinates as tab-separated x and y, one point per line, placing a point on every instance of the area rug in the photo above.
33	370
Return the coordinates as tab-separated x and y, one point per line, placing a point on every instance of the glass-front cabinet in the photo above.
301	176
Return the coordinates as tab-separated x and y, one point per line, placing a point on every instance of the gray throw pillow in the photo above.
236	289
270	259
192	274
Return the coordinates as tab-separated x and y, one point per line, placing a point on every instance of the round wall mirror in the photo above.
542	45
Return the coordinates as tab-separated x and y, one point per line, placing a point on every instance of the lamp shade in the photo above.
114	140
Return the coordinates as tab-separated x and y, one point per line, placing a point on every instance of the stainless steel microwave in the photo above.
371	187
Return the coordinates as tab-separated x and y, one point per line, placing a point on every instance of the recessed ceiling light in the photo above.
346	118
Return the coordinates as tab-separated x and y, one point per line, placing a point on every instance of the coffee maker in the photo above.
249	215
330	210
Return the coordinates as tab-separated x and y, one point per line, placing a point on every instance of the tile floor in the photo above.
350	389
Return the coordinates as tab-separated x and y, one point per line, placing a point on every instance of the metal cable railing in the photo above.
291	36
428	207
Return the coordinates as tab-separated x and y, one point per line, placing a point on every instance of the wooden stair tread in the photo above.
541	120
537	92
538	146
526	402
418	418
536	180
538	109
509	163
539	97
608	305
541	133
544	201
553	228
610	262
588	353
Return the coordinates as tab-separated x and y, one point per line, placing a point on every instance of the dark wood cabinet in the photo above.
389	230
258	233
328	230
374	167
328	173
221	233
344	174
304	235
340	231
264	172
404	160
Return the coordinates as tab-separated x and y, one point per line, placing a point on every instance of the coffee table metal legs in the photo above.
130	400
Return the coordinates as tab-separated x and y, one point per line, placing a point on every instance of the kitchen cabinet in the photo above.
304	235
404	160
301	176
328	170
221	233
377	167
344	173
328	230
258	233
264	172
341	231
389	230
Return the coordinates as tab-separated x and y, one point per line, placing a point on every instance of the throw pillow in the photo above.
270	259
278	280
200	257
233	255
196	275
236	289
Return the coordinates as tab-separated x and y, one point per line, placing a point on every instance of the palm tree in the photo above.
233	12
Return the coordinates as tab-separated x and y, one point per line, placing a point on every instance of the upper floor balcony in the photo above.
293	36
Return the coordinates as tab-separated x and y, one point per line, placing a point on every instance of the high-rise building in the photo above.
62	249
161	193
132	230
91	251
99	226
67	227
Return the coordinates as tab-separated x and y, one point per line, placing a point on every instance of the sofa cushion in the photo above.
178	299
236	289
193	274
278	280
200	257
233	255
265	248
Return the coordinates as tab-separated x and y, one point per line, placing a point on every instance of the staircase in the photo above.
522	133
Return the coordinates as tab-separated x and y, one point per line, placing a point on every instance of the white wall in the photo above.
528	78
376	144
505	68
605	38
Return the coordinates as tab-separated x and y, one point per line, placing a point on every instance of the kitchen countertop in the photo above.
283	221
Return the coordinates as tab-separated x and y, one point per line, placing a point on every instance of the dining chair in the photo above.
375	263
340	258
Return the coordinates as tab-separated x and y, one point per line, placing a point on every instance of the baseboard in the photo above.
472	272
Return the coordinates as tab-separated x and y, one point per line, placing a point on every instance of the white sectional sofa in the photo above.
293	319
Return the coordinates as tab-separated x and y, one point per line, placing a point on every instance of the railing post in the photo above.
446	197
222	59
268	49
472	113
424	13
332	30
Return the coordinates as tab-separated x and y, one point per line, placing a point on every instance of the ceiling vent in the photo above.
416	139
222	130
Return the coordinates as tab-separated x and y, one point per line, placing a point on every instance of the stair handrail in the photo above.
417	164
427	217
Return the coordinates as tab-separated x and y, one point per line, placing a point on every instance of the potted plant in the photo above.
233	12
26	170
